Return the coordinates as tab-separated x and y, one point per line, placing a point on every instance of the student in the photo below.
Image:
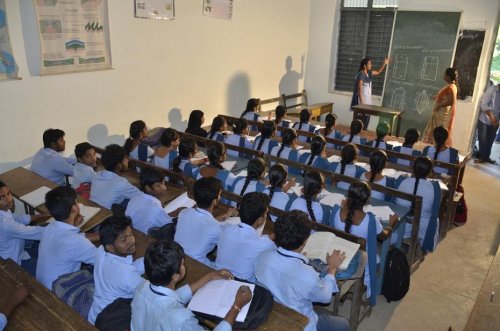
196	120
182	163
133	145
83	171
382	131
62	249
21	294
287	149
167	151
108	187
285	272
264	141
219	126
253	182
244	238
347	166
197	229
313	185
317	157
239	137
250	113
216	155
116	274
280	120
48	162
354	131
378	159
411	137
304	125
444	153
158	305
15	229
329	130
278	186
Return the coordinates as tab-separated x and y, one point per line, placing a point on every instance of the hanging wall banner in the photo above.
8	67
155	9
74	35
218	8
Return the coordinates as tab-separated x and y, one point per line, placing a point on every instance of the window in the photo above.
364	31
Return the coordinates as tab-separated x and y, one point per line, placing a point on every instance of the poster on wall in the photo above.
8	67
155	9
218	8
74	35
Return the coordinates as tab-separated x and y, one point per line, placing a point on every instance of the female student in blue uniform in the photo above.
219	125
278	187
182	163
250	113
253	182
313	184
287	149
167	151
382	131
411	137
133	145
239	137
347	165
280	120
196	120
378	159
329	131
265	142
304	125
216	154
354	131
440	151
317	157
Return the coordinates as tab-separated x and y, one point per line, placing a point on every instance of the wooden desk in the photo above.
316	110
42	310
395	114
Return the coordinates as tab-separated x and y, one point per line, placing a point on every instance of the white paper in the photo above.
217	297
381	212
334	158
389	172
299	147
228	165
297	189
36	198
242	173
394	143
364	165
87	212
320	243
181	201
332	199
236	220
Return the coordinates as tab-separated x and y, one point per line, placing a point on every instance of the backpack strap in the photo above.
432	227
333	212
142	151
371	248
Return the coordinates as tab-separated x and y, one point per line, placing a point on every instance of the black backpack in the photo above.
397	276
116	316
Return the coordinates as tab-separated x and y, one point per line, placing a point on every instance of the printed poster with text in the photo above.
8	67
74	35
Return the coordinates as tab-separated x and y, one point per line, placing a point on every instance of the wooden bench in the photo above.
291	102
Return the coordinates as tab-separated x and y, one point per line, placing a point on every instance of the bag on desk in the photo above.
116	316
397	276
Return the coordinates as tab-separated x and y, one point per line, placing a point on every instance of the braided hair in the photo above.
187	147
216	152
135	131
240	125
411	137
330	120
287	139
349	154
217	125
305	116
252	104
440	134
313	184
356	128
277	178
256	169
318	144
280	112
382	130
268	128
377	163
357	196
422	167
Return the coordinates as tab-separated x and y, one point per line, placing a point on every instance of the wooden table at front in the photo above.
316	110
42	310
280	318
394	114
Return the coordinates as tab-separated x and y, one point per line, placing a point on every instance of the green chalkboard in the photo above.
421	49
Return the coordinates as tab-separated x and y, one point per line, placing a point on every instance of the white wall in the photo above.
162	70
480	14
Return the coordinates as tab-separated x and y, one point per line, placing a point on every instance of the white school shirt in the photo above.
82	173
135	152
52	165
198	233
227	184
405	150
443	156
294	283
3	321
253	116
244	240
301	204
355	140
157	308
62	250
280	200
109	188
305	127
349	170
114	277
146	212
164	162
14	229
285	153
234	139
376	194
265	145
251	187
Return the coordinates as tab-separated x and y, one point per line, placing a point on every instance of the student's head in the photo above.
240	126
313	184
411	137
207	192
253	208
54	139
256	168
305	115
422	166
288	137
114	158
116	235
382	129
85	153
170	138
280	112
356	127
366	63
318	145
164	263
152	182
252	105
60	202
378	159
440	135
330	121
196	119
450	75
277	175
219	124
357	197
137	131
187	147
267	131
216	153
291	230
6	199
348	154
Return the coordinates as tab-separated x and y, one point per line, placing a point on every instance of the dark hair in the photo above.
313	184
357	197
318	144
348	154
149	176
112	156
291	230
422	167
305	116
2	184
378	160
82	148
217	124
330	120
251	104
112	227
286	139
277	178
59	202
382	130
268	128
280	112
440	135
252	206
134	131
52	136
206	190
186	147
168	136
363	63
195	121
162	260
214	152
356	128
255	170
240	125
452	73
411	137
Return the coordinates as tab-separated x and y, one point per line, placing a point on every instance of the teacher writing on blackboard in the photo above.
363	86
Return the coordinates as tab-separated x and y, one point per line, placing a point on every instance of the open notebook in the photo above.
86	211
381	212
320	243
181	201
37	197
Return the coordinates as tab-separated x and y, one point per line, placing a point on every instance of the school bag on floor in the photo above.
396	277
461	213
77	290
116	316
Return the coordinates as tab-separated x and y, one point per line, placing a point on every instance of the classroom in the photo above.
162	70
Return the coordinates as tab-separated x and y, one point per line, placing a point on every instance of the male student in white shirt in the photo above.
48	161
63	248
244	238
116	274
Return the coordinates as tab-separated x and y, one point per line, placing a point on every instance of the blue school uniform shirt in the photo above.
253	186
449	155
150	153
333	135
279	200
305	127
237	140
82	173
217	136
114	277
109	188
62	250
146	212
405	150
14	230
300	203
166	161
283	124
317	161
376	194
351	170
52	165
188	168
245	240
294	283
225	176
381	145
357	139
160	308
198	233
3	321
267	145
286	153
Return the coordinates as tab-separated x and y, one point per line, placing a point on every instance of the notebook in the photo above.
228	165
320	243
87	212
36	198
332	199
381	212
181	201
